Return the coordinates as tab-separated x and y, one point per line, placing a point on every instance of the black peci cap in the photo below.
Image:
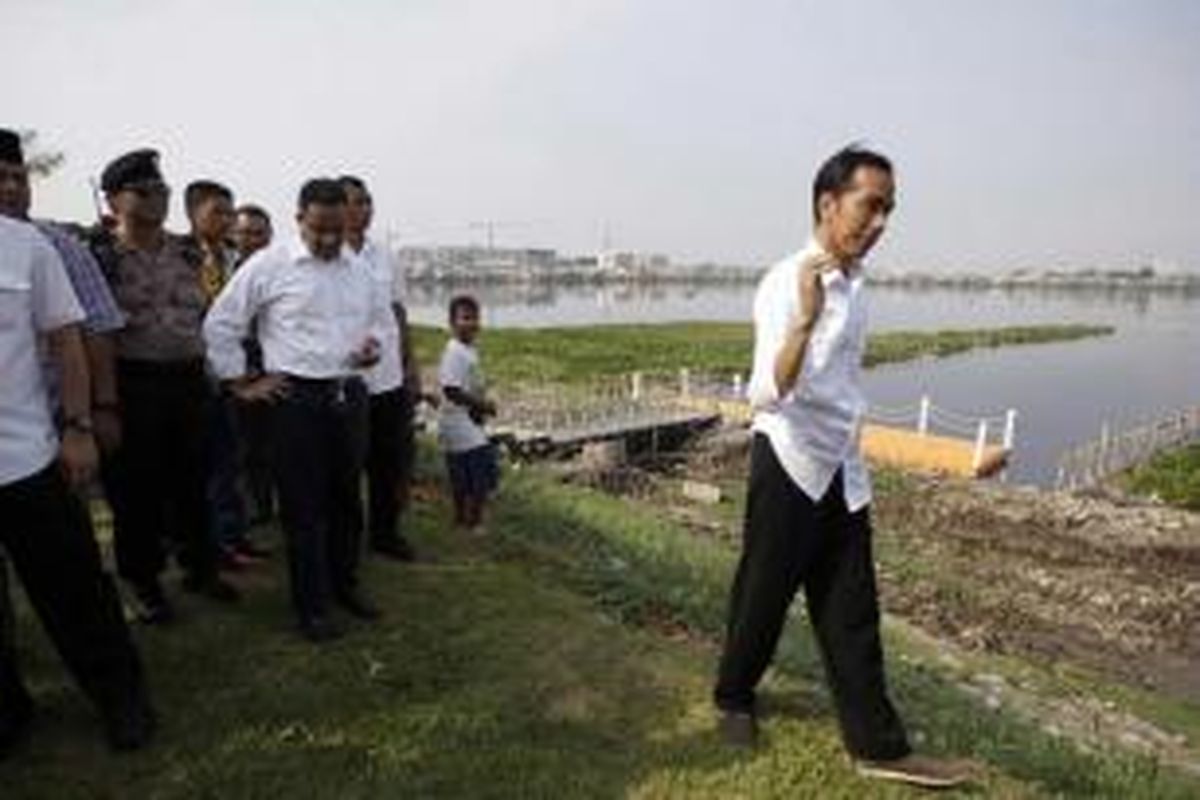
135	167
10	148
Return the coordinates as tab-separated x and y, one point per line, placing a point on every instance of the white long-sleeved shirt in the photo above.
814	427
311	315
388	374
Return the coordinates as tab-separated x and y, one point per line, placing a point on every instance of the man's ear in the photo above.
826	204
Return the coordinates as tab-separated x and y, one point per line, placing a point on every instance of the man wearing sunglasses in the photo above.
156	480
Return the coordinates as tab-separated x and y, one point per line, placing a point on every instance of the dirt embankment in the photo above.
1111	585
1105	582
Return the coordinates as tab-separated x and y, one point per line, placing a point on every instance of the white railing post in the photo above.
737	386
685	382
1102	460
923	419
980	443
636	388
1010	428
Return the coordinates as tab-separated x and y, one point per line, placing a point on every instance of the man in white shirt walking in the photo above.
390	411
43	527
320	320
808	504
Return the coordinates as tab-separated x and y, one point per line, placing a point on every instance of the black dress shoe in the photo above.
738	728
15	724
155	608
214	588
394	547
359	606
130	726
320	629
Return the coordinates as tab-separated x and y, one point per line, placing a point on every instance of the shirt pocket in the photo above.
15	300
829	336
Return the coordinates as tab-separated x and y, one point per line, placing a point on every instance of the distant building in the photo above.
630	263
471	262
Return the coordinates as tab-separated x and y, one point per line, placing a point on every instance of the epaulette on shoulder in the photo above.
188	246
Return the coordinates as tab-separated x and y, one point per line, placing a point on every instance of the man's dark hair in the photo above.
200	192
463	302
354	182
251	210
321	192
837	173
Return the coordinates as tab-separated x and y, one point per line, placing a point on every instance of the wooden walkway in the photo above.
926	452
653	425
659	415
894	446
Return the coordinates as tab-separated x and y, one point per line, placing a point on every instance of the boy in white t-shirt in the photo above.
470	457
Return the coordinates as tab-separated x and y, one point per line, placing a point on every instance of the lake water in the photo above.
1063	393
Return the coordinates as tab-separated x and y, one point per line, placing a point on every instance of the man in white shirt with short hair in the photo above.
391	398
320	320
42	525
808	504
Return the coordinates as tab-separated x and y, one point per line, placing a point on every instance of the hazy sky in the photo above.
1025	132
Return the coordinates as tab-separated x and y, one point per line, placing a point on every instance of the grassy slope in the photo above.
1173	476
647	571
487	679
547	661
571	354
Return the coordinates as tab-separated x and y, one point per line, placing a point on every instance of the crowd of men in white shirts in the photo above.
180	369
208	383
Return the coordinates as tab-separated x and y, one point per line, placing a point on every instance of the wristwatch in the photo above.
81	424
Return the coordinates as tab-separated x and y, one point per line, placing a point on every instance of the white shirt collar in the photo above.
366	251
298	252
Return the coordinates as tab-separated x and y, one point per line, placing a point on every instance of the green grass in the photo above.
1173	476
486	679
513	355
648	572
569	655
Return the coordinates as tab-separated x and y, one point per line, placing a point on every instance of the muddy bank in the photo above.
1111	585
1105	582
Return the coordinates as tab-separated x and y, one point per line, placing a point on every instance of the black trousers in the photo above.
791	541
254	430
390	438
47	534
254	433
227	515
319	440
156	481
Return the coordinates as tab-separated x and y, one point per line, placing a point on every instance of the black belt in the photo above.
343	382
140	367
334	389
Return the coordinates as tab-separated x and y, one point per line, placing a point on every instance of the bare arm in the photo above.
475	405
101	360
78	449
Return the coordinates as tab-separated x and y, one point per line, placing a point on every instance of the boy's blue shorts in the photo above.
473	473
